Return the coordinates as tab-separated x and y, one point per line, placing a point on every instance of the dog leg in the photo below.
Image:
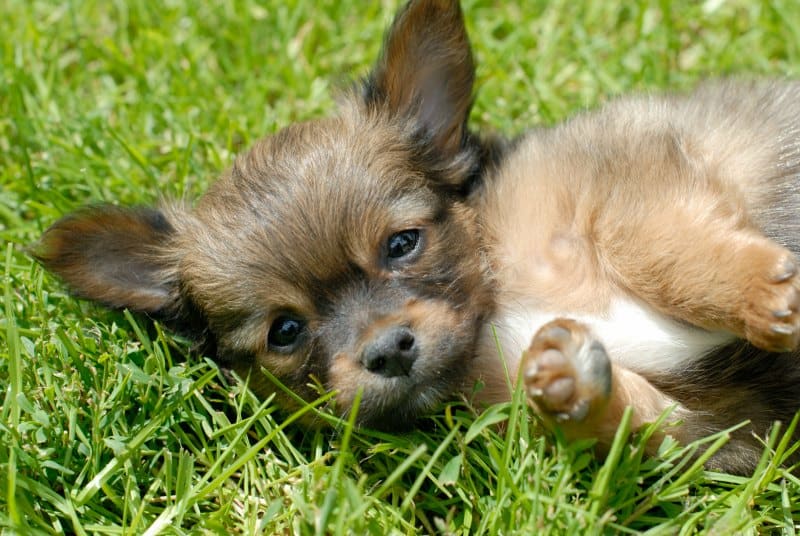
768	310
573	385
710	268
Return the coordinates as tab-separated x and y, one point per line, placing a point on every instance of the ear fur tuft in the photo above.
113	255
426	73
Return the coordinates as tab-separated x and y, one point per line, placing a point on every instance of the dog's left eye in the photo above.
284	333
402	243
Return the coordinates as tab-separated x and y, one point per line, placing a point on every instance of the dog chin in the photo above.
401	413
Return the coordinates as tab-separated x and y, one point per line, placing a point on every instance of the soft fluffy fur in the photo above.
638	255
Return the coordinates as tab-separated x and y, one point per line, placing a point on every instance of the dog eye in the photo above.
402	243
284	332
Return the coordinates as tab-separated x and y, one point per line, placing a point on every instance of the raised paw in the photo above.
771	309
566	372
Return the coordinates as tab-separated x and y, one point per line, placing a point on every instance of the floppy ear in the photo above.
426	72
113	255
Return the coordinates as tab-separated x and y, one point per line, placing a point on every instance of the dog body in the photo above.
645	221
622	258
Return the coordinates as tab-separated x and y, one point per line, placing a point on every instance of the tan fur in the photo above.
613	197
639	201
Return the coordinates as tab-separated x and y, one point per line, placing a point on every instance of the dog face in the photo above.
327	255
340	253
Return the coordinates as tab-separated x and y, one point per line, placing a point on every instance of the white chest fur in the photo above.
635	336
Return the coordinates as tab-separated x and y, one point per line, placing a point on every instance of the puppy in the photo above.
640	255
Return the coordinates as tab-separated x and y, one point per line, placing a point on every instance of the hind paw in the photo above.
566	371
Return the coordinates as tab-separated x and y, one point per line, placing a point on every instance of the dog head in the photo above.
339	253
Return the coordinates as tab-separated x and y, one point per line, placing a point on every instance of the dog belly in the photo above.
635	336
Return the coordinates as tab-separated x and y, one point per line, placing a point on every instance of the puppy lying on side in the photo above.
639	255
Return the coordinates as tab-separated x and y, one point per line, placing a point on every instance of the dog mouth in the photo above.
398	410
404	370
396	404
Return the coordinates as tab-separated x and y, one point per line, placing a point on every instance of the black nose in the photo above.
391	353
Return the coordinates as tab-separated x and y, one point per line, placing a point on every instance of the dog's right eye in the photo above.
402	243
284	333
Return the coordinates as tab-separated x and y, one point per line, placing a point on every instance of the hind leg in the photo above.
573	385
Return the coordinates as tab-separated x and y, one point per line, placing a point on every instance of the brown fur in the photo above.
684	205
644	199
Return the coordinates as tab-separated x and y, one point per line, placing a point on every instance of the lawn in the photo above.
110	425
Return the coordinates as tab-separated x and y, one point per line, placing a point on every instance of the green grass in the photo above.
108	427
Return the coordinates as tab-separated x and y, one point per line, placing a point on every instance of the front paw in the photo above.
566	372
772	301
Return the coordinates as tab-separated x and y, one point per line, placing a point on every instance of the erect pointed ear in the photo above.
115	256
426	72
